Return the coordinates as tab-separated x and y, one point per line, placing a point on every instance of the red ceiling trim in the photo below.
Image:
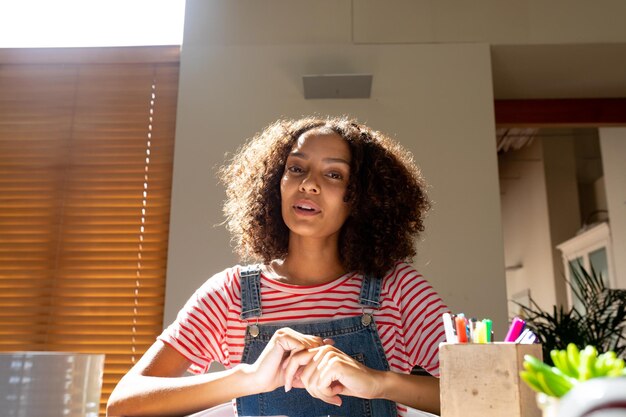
561	112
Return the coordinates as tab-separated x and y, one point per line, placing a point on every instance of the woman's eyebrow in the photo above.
340	160
301	155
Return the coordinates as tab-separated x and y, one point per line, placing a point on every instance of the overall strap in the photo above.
250	291
370	292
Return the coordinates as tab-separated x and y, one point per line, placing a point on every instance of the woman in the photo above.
331	208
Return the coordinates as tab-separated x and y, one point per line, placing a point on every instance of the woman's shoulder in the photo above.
405	280
403	272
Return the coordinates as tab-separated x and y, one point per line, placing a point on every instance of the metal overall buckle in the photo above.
253	329
366	317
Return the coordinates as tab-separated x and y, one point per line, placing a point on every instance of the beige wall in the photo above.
563	205
436	99
241	68
540	210
526	225
540	203
497	22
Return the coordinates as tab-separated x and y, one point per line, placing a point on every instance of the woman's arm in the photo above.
417	391
155	386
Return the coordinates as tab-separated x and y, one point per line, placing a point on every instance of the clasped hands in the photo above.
292	359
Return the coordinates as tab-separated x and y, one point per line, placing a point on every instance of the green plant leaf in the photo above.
601	323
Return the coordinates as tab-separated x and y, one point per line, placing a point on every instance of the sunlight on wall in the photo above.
82	23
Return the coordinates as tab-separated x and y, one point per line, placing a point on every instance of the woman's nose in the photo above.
309	185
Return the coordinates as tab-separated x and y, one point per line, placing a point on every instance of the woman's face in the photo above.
314	185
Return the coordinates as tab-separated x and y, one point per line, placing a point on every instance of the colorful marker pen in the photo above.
480	334
522	335
461	333
488	332
449	328
473	334
514	331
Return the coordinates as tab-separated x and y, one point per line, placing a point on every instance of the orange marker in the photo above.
461	333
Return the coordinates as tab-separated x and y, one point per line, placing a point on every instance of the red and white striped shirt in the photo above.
209	328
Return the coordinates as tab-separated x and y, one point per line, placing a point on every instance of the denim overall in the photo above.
355	336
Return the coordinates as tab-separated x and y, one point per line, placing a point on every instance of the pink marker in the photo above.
514	331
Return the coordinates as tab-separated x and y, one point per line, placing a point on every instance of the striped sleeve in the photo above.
421	311
200	326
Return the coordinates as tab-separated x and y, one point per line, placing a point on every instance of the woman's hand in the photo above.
326	372
269	369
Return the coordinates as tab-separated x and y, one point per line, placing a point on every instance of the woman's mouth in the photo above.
306	208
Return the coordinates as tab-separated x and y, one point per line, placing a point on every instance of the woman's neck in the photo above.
309	262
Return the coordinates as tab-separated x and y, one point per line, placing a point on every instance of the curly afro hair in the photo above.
386	194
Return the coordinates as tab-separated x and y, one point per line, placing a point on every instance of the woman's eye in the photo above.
295	169
335	175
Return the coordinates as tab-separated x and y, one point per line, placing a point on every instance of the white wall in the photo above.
613	145
540	210
526	225
436	99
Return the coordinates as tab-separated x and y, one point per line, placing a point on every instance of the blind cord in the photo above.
143	221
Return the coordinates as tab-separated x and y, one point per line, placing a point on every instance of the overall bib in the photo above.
355	336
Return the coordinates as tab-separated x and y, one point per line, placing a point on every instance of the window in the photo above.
589	250
86	147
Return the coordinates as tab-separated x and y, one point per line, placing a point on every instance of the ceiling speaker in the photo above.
337	86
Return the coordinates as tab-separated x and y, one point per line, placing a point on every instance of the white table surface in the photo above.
226	410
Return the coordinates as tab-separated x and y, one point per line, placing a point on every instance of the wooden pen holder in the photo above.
482	380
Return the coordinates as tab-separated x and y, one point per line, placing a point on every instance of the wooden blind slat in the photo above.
77	271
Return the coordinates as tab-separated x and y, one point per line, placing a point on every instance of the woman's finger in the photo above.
310	376
293	364
327	376
290	339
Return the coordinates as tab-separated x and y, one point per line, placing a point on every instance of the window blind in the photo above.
86	148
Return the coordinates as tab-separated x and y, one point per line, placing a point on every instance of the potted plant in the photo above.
578	343
601	322
571	368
